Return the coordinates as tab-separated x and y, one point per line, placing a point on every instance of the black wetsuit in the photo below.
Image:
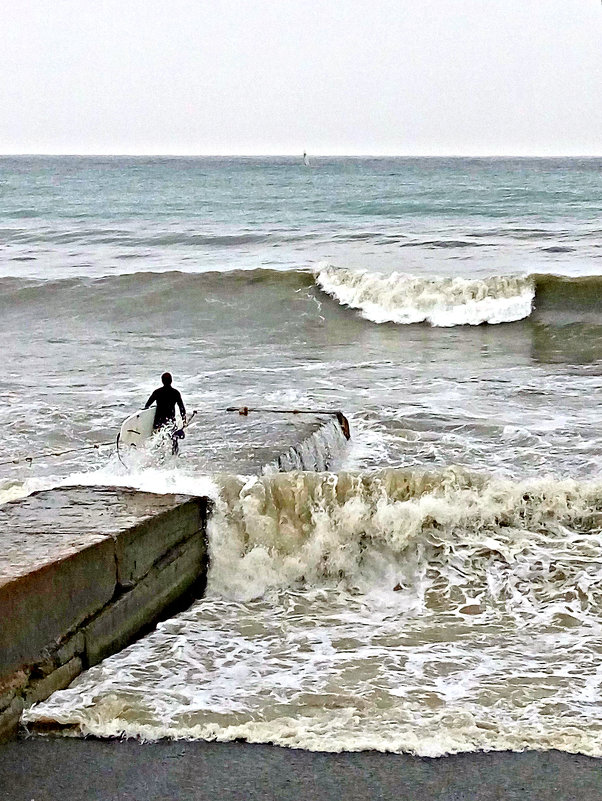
166	399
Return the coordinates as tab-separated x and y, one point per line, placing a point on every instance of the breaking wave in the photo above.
396	297
405	611
330	526
442	302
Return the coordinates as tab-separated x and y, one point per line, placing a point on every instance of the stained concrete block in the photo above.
9	719
39	608
59	551
138	548
11	687
71	647
66	556
151	599
52	524
57	680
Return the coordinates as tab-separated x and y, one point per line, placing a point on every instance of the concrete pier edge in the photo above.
98	591
71	612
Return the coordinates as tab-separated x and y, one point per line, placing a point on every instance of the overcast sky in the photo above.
282	76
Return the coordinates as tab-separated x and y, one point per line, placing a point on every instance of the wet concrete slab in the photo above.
248	443
52	525
83	572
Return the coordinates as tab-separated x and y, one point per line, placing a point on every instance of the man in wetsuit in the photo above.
166	398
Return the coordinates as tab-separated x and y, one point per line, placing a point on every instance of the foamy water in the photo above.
400	611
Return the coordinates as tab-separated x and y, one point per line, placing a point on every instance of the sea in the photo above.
439	590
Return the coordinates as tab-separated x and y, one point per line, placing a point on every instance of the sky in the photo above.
340	77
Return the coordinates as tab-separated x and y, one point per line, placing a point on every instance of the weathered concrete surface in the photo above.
74	545
99	566
51	525
57	680
247	443
110	770
38	608
136	548
116	626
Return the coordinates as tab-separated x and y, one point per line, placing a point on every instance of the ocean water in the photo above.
440	591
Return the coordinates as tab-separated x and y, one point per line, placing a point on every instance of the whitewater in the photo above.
431	586
429	613
406	299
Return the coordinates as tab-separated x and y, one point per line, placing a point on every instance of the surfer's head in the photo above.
166	379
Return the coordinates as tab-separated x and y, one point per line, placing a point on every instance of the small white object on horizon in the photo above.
305	159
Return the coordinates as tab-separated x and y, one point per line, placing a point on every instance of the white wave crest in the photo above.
441	302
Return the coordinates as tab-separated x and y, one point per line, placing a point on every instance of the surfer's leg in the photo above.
176	436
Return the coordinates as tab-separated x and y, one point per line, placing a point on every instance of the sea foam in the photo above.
425	612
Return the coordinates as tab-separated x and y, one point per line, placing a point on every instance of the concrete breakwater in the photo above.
83	573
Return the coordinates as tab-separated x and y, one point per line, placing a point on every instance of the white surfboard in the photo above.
137	428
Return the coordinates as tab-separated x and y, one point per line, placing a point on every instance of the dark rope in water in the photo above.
342	420
30	459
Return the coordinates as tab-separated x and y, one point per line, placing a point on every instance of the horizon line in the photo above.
311	155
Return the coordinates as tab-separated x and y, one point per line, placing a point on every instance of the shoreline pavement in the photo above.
60	768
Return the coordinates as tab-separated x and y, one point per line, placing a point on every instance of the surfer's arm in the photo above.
181	407
152	399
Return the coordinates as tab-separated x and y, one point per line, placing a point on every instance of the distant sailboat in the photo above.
305	159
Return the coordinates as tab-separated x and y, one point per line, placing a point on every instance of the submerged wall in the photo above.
320	451
84	572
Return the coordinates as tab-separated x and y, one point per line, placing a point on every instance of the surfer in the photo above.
166	398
